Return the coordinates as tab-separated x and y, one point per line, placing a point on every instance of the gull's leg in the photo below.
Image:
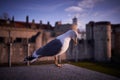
56	61
59	61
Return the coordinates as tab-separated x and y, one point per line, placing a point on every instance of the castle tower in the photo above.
102	41
90	39
89	30
74	20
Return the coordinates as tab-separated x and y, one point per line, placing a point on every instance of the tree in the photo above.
5	16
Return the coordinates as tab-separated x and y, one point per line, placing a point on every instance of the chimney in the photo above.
33	21
48	23
27	19
13	21
12	18
58	23
33	26
40	22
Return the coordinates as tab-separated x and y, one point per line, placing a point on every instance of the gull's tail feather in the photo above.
31	59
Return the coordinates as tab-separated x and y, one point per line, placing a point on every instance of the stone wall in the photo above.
19	50
98	35
3	53
60	29
116	42
79	51
102	41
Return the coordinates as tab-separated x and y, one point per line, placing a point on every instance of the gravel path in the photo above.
51	72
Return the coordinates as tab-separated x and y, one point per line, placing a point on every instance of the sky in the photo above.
62	10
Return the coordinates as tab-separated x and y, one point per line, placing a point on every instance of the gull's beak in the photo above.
75	41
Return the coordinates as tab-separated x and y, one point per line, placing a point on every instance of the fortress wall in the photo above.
102	38
78	52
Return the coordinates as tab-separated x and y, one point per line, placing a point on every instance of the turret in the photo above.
75	20
102	39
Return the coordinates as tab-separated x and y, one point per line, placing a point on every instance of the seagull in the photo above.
55	48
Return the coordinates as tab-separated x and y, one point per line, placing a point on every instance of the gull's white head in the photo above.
75	32
71	34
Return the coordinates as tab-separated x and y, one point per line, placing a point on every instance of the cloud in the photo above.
69	14
74	9
82	10
88	3
82	5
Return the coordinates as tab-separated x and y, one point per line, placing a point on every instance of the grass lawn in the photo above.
107	68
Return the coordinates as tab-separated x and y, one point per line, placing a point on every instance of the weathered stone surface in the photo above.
51	72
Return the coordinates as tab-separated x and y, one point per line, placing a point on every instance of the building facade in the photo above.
20	39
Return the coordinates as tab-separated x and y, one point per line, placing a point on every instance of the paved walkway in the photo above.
51	72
